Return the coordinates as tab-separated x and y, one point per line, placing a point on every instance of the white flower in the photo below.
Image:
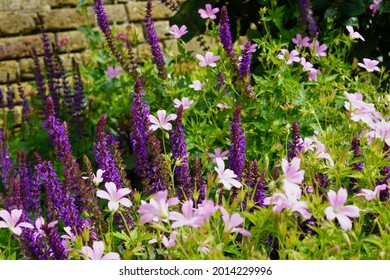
226	176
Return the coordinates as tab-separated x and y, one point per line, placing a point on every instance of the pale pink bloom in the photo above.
115	196
374	7
97	252
313	74
10	220
292	177
226	176
307	66
206	209
222	106
218	154
313	144
232	222
113	72
339	211
196	85
185	102
69	234
353	34
359	109
208	59
381	130
318	49
157	208
282	201
251	49
204	247
162	121
98	178
178	32
209	12
369	64
301	42
288	57
165	241
63	41
39	222
371	194
188	218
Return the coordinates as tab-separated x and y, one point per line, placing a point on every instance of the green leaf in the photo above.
354	8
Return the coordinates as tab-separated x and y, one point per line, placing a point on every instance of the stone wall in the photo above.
20	31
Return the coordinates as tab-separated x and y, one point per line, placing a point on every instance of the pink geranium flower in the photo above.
222	106
157	209
338	211
226	176
98	178
371	194
113	72
188	218
353	34
178	32
289	57
206	209
360	110
318	49
185	102
209	12
369	64
97	252
69	234
10	220
208	60
282	201
39	222
232	222
307	66
162	121
381	130
196	85
218	154
374	7
165	241
115	196
292	177
301	42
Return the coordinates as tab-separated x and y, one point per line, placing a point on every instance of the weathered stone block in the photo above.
16	23
162	29
136	11
14	5
116	13
18	47
10	67
133	31
61	3
67	18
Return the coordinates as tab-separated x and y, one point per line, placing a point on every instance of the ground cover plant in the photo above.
262	148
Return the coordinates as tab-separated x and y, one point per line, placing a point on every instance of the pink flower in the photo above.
162	121
39	222
69	234
289	57
196	85
185	102
63	41
113	72
208	59
209	12
188	218
97	251
299	42
313	74
218	154
282	201
339	211
167	243
353	34
359	109
369	194
98	178
251	49
11	221
157	209
114	196
206	209
374	7
318	49
293	177
381	130
369	64
178	32
222	106
320	151
226	176
307	66
232	222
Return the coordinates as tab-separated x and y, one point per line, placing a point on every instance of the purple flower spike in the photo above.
238	145
5	160
245	63
307	17
154	42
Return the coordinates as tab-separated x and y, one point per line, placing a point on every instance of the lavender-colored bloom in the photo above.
39	78
5	160
245	63
58	251
256	183
103	156
226	38
78	99
198	181
33	246
221	82
154	42
25	104
306	15
179	153
357	165
237	148
296	146
139	131
159	173
14	199
10	95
